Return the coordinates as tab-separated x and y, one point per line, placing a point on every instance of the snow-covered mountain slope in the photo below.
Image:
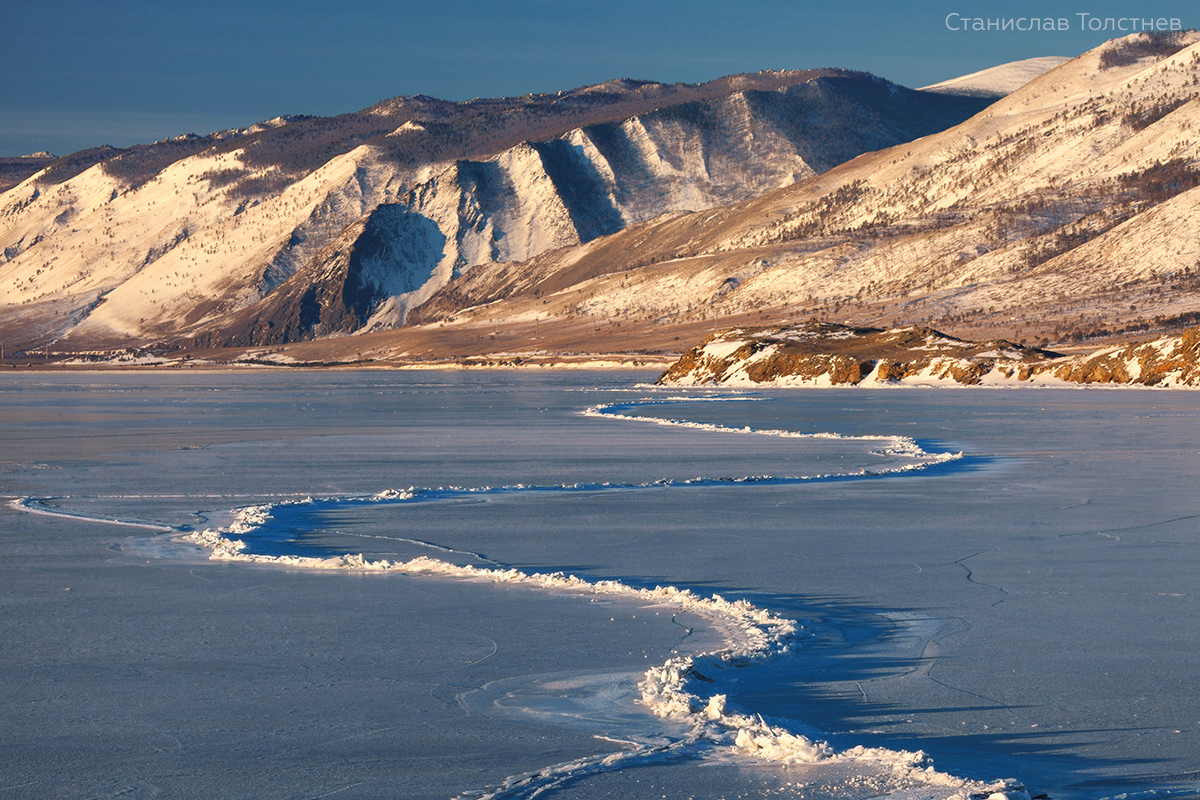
96	254
390	251
824	354
1062	211
196	236
1000	80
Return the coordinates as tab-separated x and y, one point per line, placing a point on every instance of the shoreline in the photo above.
599	362
599	365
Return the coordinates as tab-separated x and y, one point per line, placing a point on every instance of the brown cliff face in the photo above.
1174	360
817	353
841	369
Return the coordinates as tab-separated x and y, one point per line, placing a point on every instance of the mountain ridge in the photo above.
1000	80
1008	222
1056	214
91	259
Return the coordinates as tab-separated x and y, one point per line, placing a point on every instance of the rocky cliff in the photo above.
827	354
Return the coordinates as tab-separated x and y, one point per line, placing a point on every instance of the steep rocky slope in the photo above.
232	237
826	354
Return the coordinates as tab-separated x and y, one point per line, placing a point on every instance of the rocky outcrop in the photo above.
1167	361
827	354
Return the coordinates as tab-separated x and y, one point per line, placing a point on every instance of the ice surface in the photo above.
1025	609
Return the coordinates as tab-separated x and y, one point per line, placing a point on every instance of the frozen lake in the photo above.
1003	579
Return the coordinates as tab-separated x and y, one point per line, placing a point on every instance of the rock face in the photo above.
827	354
1167	361
388	252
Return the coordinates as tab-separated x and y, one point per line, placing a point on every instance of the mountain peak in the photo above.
1000	80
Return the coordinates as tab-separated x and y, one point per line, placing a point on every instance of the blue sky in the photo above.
79	74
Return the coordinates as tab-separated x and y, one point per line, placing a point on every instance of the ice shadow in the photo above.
824	689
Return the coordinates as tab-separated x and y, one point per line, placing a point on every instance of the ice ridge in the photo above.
685	688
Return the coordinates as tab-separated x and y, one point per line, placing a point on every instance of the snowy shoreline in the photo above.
233	368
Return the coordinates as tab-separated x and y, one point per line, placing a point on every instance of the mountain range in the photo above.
631	217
